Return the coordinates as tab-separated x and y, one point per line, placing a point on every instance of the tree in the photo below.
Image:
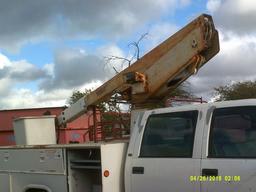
136	55
182	91
76	95
111	105
234	91
114	106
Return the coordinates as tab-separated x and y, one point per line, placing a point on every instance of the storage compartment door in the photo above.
4	182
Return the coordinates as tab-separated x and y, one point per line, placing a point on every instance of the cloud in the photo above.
53	83
72	68
237	16
30	21
213	5
49	69
76	69
26	98
4	72
115	59
235	62
4	61
47	20
158	33
5	85
15	72
22	71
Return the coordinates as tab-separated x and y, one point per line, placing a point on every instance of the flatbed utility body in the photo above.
62	167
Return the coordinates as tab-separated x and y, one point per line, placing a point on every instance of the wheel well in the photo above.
36	188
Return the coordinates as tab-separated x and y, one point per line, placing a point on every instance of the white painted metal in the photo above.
49	161
73	112
24	169
136	115
35	130
84	169
228	167
21	182
161	174
158	170
112	159
24	166
165	174
4	182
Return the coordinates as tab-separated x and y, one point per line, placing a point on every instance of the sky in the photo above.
50	48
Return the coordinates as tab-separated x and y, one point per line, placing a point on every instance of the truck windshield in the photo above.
169	135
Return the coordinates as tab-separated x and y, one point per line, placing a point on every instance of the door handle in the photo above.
209	172
138	170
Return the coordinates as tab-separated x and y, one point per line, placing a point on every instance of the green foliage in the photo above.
113	106
103	106
182	91
234	91
76	95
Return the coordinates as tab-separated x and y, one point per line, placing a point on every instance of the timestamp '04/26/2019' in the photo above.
219	178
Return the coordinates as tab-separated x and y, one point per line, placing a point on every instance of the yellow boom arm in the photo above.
158	72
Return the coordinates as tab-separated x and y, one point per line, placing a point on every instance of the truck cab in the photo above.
206	147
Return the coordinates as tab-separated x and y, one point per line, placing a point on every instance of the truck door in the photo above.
165	159
229	158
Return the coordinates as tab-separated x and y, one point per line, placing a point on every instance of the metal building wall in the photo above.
74	131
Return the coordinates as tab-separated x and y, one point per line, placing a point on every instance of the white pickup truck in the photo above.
169	150
203	147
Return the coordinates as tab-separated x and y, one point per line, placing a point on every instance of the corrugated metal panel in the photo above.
73	133
7	116
7	138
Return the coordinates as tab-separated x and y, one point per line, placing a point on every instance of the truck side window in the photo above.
169	135
233	133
